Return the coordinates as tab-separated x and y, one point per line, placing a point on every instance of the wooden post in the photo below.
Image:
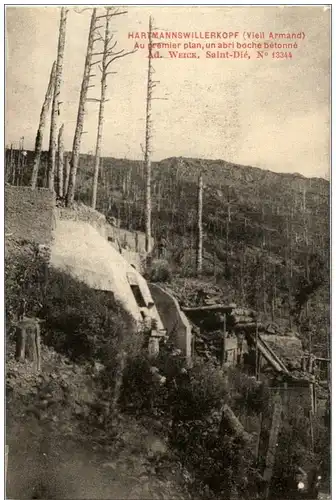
224	340
312	391
28	340
311	431
271	452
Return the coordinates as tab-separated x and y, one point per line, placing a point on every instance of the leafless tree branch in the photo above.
124	54
80	11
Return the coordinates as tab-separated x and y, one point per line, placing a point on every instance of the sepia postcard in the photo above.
167	252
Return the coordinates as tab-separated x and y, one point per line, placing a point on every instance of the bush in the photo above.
247	394
190	400
83	323
221	462
25	279
140	393
159	272
295	446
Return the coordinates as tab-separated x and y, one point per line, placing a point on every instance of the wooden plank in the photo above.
264	346
158	333
216	307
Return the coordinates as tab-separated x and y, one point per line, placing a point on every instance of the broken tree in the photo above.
42	124
60	161
56	102
148	166
70	195
28	340
109	55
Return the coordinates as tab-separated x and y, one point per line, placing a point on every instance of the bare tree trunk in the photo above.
264	286
56	103
227	237
10	169
23	165
19	165
274	294
42	124
11	162
242	268
13	171
148	201
101	112
60	161
66	174
81	112
199	257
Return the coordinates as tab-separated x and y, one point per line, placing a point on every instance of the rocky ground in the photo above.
59	446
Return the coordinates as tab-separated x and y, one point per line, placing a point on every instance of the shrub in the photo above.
159	272
25	279
247	394
202	391
79	321
189	400
140	392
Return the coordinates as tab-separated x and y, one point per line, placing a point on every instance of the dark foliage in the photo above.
79	321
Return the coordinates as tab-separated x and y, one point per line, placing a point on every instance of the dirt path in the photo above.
49	465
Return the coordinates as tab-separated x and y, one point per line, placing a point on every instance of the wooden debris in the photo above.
215	307
242	319
248	327
245	312
231	425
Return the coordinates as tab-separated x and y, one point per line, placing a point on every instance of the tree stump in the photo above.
28	340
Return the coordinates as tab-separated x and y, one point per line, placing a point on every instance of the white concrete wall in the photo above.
81	250
174	320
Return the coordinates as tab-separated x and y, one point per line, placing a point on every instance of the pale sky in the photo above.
271	113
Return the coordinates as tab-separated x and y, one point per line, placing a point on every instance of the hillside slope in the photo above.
266	235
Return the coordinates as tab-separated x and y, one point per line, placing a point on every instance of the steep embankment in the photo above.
63	440
60	447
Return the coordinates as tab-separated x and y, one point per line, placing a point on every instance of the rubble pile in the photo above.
208	344
60	390
190	293
243	320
